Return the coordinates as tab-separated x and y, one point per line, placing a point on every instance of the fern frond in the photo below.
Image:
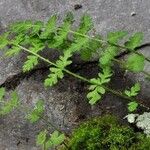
135	63
21	26
41	137
9	106
114	37
26	27
14	50
36	45
90	48
132	106
30	63
109	53
3	40
57	72
61	37
86	24
54	140
50	28
133	91
134	41
97	89
37	112
78	44
49	141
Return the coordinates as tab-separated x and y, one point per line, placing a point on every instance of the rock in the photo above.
66	103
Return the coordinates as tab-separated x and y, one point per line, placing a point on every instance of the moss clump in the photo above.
105	133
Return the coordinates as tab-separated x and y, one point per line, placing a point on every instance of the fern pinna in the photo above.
34	37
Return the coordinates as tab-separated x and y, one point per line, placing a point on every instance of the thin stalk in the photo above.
80	77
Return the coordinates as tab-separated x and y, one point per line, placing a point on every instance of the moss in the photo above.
105	133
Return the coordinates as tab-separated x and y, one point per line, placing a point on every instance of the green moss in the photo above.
105	133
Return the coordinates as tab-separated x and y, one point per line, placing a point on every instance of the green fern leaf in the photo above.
105	76
97	89
61	35
36	28
55	140
37	112
50	28
134	41
135	63
2	93
78	44
21	26
14	50
90	48
86	24
108	55
114	37
41	138
26	27
132	106
134	91
36	45
3	40
57	72
30	63
11	104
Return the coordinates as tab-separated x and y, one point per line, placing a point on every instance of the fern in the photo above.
134	91
37	112
50	28
3	40
97	89
135	63
108	55
9	106
57	72
30	63
63	31
46	142
85	25
132	106
114	37
41	138
33	37
134	41
90	48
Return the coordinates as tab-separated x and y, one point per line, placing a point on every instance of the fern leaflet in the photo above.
97	89
134	41
57	72
9	106
30	63
37	112
50	28
114	37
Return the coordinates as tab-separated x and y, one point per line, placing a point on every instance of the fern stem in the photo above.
103	41
81	77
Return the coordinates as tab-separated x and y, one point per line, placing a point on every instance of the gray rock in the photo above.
66	103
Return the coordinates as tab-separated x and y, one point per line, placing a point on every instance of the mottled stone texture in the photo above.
66	103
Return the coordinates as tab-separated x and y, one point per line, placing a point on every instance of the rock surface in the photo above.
66	104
